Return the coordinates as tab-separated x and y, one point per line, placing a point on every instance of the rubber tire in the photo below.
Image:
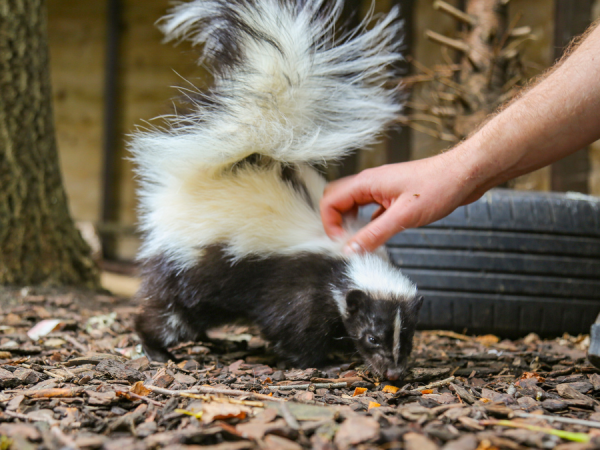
511	263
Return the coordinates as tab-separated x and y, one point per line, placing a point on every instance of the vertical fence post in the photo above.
110	135
399	143
571	18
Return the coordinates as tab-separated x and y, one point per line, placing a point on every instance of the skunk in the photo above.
229	192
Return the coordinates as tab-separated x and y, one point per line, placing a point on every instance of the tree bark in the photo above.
39	243
482	73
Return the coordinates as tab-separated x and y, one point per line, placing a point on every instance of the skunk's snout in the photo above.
394	374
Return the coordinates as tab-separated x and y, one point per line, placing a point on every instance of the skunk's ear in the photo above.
415	306
355	299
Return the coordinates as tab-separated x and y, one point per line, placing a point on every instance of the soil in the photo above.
73	377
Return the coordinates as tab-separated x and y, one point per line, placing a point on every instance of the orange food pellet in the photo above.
373	405
389	389
427	391
359	391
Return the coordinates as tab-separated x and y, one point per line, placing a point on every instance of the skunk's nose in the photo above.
393	374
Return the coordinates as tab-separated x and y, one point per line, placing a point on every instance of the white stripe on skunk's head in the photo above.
376	276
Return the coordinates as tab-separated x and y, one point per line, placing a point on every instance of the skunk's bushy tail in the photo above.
283	87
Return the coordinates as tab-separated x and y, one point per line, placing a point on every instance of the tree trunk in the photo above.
39	243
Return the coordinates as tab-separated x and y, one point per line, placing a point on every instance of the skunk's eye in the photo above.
372	340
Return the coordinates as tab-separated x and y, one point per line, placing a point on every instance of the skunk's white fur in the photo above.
375	275
284	89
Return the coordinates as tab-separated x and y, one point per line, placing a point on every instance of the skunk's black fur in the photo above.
288	298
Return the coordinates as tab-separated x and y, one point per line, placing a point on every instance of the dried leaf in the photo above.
222	411
139	389
537	376
356	430
44	328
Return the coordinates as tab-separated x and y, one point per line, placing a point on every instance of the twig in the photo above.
233	401
584	423
288	416
139	397
82	348
520	32
440	383
448	42
211	390
289	387
53	375
454	12
569	435
453	335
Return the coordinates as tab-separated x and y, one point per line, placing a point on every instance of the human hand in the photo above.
410	194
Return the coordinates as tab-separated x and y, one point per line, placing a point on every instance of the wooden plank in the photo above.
111	136
350	19
571	18
399	143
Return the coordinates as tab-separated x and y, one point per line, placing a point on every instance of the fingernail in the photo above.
352	248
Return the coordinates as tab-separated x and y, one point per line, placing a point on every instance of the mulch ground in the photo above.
72	377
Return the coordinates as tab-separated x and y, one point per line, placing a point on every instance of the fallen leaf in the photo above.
256	430
355	430
359	391
537	376
139	389
222	411
43	328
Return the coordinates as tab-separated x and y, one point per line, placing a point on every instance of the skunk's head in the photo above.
380	308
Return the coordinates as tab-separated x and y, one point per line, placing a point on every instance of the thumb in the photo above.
378	231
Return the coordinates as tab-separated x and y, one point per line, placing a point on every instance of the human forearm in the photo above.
555	118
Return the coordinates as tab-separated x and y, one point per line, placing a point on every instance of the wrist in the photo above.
472	166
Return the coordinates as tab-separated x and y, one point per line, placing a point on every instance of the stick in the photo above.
448	42
303	387
584	423
520	32
569	435
139	397
233	401
211	390
79	346
440	383
454	12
